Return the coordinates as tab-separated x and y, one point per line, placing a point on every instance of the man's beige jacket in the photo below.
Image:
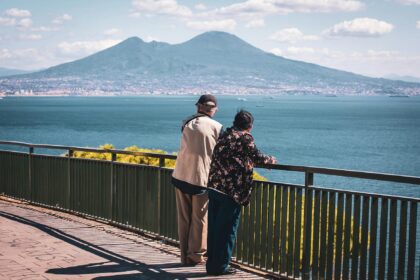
199	137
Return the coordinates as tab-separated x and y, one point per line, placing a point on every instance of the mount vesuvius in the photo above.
213	61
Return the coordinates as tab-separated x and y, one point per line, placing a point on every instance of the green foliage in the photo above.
262	204
170	163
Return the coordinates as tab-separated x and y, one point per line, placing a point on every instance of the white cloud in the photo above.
255	23
228	24
85	47
382	54
360	27
298	51
248	10
264	7
30	36
61	19
29	58
371	62
18	13
418	24
150	39
276	51
293	52
291	35
319	6
25	23
5	54
251	12
112	31
19	53
7	21
200	7
45	29
409	2
165	7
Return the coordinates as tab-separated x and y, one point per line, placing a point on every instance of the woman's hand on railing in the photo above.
272	160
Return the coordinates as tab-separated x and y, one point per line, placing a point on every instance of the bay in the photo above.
378	134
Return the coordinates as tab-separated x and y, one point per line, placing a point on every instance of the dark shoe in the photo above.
228	271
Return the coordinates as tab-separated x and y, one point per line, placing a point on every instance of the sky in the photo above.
370	37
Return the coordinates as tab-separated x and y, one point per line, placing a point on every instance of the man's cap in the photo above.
207	99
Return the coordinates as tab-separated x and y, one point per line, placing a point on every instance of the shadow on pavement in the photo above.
115	262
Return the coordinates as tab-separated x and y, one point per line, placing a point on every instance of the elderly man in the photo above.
199	135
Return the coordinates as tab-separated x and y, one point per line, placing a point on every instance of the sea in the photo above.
375	134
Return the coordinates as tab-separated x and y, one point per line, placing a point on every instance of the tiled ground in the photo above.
37	243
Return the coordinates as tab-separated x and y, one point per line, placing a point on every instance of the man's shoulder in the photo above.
206	121
212	121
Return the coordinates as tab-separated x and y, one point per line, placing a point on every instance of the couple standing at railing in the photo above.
213	179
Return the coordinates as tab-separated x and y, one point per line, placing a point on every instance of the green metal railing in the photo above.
289	231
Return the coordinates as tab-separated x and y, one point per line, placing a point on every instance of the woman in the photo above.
230	186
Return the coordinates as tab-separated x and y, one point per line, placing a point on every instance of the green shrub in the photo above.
170	163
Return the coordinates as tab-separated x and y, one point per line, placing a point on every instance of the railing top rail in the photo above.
343	191
346	173
296	168
84	149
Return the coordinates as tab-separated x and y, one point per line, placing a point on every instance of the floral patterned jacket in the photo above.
233	160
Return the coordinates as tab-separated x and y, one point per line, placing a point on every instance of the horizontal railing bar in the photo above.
282	184
414	199
85	159
83	149
345	173
326	189
296	168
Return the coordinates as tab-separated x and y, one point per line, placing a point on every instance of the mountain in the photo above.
211	53
215	61
9	72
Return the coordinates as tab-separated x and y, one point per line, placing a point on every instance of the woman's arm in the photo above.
252	151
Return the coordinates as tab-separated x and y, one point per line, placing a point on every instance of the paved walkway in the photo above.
38	243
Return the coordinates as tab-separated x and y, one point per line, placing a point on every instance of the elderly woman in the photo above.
230	186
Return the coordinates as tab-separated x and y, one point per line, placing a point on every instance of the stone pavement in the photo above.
38	243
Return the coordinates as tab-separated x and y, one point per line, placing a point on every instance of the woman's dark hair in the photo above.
243	120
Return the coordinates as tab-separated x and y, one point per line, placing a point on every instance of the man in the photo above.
199	135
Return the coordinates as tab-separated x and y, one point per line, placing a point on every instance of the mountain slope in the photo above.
211	53
207	60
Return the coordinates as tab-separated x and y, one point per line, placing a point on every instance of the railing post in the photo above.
159	186
113	185
69	191
306	260
30	173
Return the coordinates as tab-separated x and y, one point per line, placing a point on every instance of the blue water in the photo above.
378	134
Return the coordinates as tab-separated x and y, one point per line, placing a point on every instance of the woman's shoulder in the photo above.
238	134
247	137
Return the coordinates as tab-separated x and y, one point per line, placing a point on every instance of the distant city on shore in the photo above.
213	62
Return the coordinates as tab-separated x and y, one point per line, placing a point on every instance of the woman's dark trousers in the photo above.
223	222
